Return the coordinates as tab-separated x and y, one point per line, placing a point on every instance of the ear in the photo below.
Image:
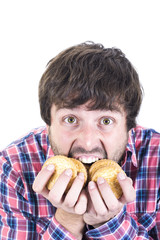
47	128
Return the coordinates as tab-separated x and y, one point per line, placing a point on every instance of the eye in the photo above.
106	121
70	120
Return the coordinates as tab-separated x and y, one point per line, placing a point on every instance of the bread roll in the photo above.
62	163
107	169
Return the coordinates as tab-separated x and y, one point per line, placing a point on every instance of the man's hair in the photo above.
88	72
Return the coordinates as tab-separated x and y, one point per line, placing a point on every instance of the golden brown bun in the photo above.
107	169
80	168
62	163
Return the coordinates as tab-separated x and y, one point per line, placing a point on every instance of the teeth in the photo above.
88	159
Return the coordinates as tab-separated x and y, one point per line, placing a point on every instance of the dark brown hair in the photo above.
88	72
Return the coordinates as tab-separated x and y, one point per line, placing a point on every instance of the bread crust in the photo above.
62	163
108	169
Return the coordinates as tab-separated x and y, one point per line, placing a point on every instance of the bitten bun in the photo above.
61	163
108	169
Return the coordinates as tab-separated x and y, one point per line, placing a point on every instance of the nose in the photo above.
88	138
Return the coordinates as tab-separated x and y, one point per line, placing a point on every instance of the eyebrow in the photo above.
118	110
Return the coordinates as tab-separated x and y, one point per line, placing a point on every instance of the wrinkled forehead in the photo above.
89	106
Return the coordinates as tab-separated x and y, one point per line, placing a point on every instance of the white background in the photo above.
34	31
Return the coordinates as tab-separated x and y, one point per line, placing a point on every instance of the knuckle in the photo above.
69	204
103	213
80	209
36	188
113	207
131	197
130	180
54	198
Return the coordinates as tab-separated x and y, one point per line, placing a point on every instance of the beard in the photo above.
116	156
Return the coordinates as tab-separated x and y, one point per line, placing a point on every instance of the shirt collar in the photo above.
131	147
46	147
49	152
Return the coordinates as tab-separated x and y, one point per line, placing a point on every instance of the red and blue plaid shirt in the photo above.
25	214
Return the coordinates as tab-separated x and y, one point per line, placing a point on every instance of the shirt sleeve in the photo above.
56	231
17	220
125	226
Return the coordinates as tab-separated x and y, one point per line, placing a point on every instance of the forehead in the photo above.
84	109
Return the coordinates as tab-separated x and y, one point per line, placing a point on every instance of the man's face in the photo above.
88	135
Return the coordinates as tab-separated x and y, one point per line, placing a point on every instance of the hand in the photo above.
103	205
75	201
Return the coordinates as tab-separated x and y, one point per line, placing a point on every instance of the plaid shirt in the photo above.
25	214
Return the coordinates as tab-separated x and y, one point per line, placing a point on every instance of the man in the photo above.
89	99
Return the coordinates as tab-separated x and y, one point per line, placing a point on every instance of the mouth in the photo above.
87	159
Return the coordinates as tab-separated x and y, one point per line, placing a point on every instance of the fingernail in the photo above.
91	185
100	180
50	167
81	175
68	172
122	176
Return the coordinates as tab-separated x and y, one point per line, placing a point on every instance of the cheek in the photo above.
63	140
114	142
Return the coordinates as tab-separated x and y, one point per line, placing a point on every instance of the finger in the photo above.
39	184
90	212
81	206
109	198
58	190
129	193
90	207
96	198
73	193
